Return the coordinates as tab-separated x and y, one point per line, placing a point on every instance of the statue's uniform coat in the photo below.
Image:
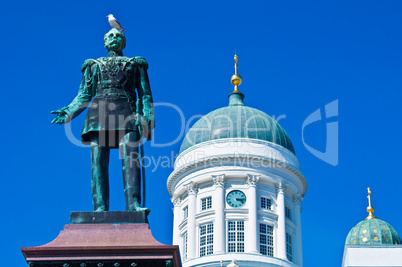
111	82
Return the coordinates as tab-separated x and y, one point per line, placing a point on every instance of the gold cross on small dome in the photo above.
370	209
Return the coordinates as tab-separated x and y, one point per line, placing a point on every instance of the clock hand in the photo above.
240	199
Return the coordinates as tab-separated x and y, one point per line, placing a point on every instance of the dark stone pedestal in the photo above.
113	217
104	239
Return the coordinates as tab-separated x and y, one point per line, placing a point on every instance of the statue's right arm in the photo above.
83	98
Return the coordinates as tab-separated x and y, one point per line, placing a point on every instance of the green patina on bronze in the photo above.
116	91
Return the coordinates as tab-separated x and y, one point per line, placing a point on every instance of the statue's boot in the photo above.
100	176
131	171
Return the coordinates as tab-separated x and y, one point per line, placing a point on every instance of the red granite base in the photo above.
103	245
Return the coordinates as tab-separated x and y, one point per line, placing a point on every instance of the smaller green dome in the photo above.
373	232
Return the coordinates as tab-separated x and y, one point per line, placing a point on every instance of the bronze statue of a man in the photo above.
115	117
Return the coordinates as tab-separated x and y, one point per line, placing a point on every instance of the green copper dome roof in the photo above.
236	121
373	232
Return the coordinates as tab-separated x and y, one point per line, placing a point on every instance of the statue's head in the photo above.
115	40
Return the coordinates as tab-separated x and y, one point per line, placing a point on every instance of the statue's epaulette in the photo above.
87	63
141	61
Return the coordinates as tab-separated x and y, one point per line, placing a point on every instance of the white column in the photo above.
176	219
191	234
297	200
252	181
281	231
218	203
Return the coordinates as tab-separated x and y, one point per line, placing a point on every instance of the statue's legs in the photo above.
128	147
100	175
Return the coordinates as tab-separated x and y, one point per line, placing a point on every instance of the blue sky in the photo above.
295	57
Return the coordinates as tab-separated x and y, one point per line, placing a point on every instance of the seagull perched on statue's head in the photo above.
114	22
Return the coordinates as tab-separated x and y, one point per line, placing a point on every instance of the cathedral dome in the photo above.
236	121
373	232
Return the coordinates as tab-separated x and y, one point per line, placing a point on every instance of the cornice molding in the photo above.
238	140
213	162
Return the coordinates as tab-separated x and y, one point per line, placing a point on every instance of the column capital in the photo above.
252	179
176	201
192	188
280	187
297	199
219	180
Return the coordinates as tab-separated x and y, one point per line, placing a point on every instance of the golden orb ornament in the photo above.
236	79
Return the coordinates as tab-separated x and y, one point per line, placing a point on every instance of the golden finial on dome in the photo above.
370	209
236	78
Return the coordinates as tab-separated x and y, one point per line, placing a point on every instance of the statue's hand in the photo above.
147	124
61	116
147	118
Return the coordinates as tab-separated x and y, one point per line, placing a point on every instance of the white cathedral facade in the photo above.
237	190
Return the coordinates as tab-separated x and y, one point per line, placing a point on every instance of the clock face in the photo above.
236	199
